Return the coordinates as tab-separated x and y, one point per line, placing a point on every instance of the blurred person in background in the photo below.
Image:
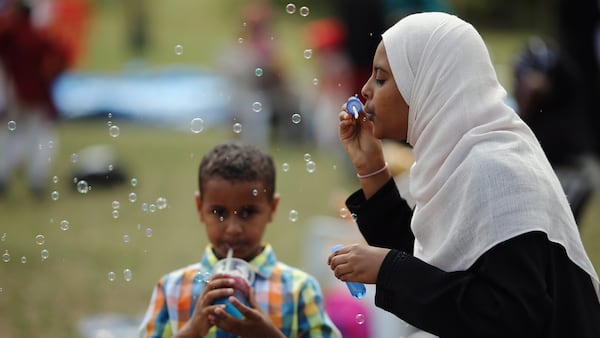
65	21
326	37
30	62
550	99
363	36
262	101
365	33
578	25
396	9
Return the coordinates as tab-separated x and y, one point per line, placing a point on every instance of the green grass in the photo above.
47	298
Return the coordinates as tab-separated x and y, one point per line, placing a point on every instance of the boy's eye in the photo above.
246	213
219	213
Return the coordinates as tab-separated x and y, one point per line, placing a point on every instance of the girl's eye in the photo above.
379	82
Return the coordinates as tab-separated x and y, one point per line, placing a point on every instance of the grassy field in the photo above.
48	297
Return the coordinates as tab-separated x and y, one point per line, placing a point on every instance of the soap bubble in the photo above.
304	11
308	53
315	81
114	131
23	259
116	204
257	107
255	192
112	276
360	319
203	276
290	8
12	125
237	127
293	216
54	179
6	256
132	197
127	275
44	254
285	167
40	239
311	167
55	195
125	238
259	72
115	214
178	49
197	125
74	158
344	213
148	232
296	118
307	157
134	182
161	203
152	208
64	225
240	40
82	187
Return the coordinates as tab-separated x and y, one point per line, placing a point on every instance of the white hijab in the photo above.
480	176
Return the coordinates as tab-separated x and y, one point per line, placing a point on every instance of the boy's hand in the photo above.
255	323
357	263
204	314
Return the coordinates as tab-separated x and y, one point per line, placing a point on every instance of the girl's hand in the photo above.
357	263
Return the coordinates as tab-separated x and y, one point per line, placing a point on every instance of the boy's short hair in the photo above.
235	161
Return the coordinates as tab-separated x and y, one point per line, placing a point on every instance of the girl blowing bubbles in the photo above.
491	248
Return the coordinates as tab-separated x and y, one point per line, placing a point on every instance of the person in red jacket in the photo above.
30	63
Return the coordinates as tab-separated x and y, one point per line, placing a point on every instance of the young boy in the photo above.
236	201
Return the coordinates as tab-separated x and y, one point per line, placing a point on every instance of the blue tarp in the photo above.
171	96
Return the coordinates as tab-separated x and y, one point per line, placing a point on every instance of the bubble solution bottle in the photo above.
357	290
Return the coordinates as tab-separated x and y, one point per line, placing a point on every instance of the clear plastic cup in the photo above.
243	275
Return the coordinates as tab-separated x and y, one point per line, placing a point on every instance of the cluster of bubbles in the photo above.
127	275
311	166
291	9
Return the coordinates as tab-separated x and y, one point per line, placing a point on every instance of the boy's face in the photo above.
235	215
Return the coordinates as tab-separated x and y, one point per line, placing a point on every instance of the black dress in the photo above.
523	287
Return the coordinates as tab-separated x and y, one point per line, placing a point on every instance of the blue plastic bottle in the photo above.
354	106
357	290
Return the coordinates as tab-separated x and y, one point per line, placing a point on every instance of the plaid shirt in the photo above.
290	296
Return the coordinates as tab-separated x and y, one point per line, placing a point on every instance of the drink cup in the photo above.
241	272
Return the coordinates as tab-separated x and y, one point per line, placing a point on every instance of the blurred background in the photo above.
107	107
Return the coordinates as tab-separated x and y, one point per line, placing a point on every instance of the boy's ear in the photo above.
198	204
274	205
